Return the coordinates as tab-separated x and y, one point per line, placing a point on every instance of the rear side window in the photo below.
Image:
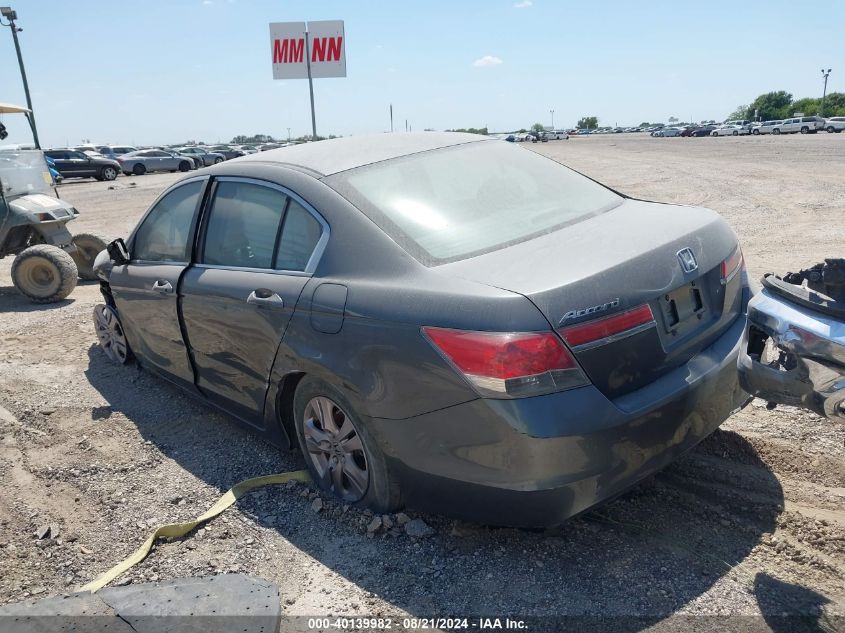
300	234
457	202
243	225
165	234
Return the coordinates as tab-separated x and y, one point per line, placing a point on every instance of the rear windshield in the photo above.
458	202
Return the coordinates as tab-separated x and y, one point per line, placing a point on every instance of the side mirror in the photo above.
118	252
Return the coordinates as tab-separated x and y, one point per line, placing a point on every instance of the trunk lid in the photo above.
619	260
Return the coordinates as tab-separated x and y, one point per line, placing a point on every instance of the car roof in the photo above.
336	155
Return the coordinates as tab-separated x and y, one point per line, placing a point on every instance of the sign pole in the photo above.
310	86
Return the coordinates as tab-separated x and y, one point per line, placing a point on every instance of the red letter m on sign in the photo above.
327	49
288	51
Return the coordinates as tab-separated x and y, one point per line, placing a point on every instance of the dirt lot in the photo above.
751	522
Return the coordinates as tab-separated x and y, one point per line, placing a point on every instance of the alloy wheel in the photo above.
335	449
110	334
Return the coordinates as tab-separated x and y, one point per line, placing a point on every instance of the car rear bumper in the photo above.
537	461
814	346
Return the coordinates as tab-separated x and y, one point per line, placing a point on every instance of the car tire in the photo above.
88	246
755	132
735	133
714	133
110	334
184	166
805	130
108	173
320	410
44	273
138	169
830	129
218	160
776	131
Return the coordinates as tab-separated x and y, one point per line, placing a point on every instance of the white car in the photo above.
765	127
802	124
667	131
730	130
556	135
835	124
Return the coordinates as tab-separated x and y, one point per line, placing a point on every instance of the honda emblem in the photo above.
687	259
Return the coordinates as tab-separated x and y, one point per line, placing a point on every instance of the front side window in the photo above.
243	225
165	234
453	203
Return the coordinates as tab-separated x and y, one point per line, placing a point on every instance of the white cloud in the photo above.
207	2
524	4
487	60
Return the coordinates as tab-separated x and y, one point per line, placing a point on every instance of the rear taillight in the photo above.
601	331
509	364
732	265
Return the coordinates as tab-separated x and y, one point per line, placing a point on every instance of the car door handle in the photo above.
163	287
263	297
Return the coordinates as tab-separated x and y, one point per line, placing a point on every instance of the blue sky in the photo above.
162	71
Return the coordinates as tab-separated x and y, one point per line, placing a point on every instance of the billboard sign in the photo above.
325	49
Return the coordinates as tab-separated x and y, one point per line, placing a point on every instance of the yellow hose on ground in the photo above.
177	530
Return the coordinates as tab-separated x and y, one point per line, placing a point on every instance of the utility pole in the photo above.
288	135
391	117
11	15
824	93
553	118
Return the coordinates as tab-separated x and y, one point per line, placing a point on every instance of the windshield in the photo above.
23	172
453	203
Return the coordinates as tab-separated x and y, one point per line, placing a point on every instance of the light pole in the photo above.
824	92
288	135
553	118
11	16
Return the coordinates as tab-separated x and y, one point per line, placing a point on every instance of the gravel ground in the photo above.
750	523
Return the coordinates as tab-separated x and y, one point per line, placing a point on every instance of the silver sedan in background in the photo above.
149	160
208	158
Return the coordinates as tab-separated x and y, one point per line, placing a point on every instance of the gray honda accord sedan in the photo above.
445	321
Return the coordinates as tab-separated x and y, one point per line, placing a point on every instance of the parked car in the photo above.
835	124
745	124
703	130
729	130
114	151
150	160
802	124
765	127
195	161
72	164
247	149
512	367
557	135
667	131
227	152
524	137
207	158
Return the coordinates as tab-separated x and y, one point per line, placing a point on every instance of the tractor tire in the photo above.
44	273
88	246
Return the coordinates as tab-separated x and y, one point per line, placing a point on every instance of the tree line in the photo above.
780	105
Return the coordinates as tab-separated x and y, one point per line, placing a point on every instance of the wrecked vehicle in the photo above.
442	320
794	343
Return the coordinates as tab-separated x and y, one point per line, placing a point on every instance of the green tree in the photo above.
470	130
834	104
538	127
741	112
807	105
772	105
588	122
